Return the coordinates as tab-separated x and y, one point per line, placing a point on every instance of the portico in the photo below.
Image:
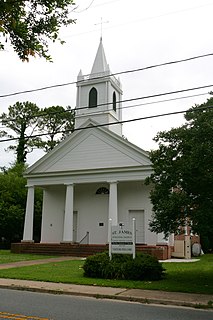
74	206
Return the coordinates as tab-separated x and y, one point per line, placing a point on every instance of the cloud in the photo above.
137	35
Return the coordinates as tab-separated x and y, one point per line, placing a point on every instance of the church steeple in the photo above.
99	95
100	64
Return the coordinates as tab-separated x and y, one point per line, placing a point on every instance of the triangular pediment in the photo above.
91	149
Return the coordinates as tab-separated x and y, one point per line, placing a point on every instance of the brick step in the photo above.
80	250
58	249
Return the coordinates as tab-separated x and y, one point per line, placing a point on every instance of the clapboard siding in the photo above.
93	149
92	153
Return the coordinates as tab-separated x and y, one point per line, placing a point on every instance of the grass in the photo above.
195	277
7	257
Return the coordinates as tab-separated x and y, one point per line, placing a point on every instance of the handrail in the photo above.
85	239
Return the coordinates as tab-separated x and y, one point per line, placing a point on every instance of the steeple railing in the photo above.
98	75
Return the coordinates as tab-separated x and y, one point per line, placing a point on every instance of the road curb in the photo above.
118	296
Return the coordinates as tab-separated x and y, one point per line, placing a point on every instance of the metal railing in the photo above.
85	239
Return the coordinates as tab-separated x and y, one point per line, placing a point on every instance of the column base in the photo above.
27	241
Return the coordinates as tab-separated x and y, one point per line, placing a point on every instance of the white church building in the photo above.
94	175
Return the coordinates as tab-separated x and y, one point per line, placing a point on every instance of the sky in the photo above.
136	35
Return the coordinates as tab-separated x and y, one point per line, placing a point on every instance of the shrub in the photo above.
143	267
94	265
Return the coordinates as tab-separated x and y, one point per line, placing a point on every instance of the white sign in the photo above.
122	240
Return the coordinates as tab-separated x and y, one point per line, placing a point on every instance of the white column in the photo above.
43	233
68	215
113	202
28	223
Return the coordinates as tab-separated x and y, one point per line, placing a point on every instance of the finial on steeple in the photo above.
80	75
101	24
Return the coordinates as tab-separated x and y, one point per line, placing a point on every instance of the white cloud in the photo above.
138	34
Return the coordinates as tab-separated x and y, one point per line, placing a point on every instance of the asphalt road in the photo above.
24	305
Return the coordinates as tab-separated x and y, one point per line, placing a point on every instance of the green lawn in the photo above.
7	257
195	277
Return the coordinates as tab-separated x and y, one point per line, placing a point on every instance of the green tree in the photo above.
22	119
12	203
13	194
29	24
58	122
36	128
183	175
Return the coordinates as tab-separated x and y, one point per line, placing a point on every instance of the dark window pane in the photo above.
114	101
93	97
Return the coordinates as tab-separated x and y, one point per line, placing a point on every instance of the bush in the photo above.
94	265
143	267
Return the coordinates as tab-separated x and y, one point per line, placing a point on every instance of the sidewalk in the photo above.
137	295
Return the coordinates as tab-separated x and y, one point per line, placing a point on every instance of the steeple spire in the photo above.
100	64
99	96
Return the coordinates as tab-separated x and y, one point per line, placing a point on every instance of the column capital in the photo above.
30	186
112	181
69	184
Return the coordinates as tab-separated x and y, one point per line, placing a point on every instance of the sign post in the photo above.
133	236
110	239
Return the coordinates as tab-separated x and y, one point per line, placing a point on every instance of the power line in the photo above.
144	104
124	101
151	96
106	76
85	9
164	100
138	20
112	123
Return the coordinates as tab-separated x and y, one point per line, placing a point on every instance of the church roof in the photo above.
100	64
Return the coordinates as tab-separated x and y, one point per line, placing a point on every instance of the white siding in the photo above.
93	151
53	214
135	196
92	211
101	118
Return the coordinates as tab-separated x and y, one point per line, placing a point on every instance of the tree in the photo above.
13	195
58	122
22	119
183	176
29	24
12	203
36	128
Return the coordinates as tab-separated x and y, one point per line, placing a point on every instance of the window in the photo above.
114	101
93	97
102	190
